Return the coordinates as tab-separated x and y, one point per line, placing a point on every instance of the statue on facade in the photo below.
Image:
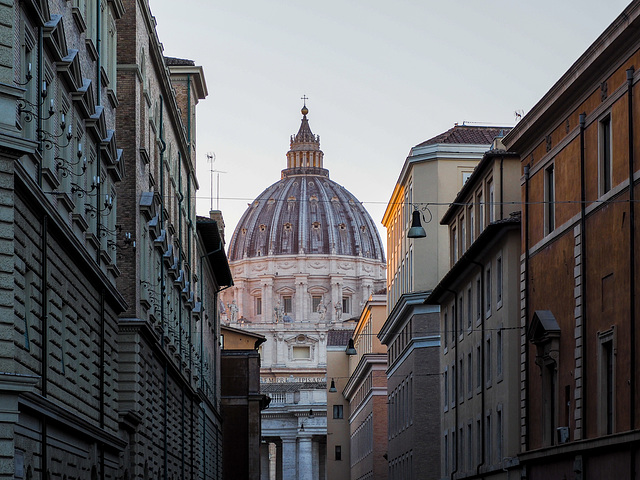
338	308
278	312
322	311
233	311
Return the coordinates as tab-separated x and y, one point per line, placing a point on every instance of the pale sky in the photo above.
381	77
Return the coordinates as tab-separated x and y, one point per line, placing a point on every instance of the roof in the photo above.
172	61
306	213
338	338
466	134
470	184
214	250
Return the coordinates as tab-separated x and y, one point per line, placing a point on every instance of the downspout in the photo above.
39	135
163	147
45	338
482	362
501	188
455	382
632	268
526	305
102	379
583	272
99	102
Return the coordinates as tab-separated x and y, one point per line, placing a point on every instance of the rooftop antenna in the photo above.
211	158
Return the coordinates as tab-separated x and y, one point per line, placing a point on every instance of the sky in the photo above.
380	77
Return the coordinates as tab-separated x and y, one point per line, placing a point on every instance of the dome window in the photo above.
262	227
335	199
244	231
342	226
271	201
363	228
316	225
287	227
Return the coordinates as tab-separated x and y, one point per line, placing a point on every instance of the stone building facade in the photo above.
578	148
305	257
110	354
59	355
431	176
479	301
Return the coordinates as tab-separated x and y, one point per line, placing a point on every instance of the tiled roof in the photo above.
466	134
338	338
171	61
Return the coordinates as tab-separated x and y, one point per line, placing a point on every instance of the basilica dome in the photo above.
306	212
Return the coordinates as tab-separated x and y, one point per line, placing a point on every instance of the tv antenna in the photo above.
211	158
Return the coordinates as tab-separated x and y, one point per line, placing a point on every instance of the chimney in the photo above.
217	216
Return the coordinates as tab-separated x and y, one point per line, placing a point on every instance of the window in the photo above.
446	390
488	360
478	366
258	305
315	302
472	225
499	353
487	298
446	453
346	305
478	300
338	452
480	212
499	282
499	433
287	304
461	370
469	446
301	353
550	199
454	245
463	235
460	314
488	438
454	385
338	411
469	309
469	375
446	330
491	202
604	154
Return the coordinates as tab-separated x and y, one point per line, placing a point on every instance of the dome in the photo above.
305	212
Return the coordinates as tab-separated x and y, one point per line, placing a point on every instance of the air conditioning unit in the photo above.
563	434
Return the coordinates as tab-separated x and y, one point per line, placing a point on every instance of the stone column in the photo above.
305	462
316	460
264	461
289	458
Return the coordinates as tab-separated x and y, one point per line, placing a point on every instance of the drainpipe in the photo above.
501	188
482	361
632	267
44	364
455	381
526	305
583	271
99	102
39	135
163	147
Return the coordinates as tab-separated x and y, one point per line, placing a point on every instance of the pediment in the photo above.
544	327
55	38
301	339
97	124
84	99
69	70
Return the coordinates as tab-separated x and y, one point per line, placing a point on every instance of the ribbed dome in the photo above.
305	212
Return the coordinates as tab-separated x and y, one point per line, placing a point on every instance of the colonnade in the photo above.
300	457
